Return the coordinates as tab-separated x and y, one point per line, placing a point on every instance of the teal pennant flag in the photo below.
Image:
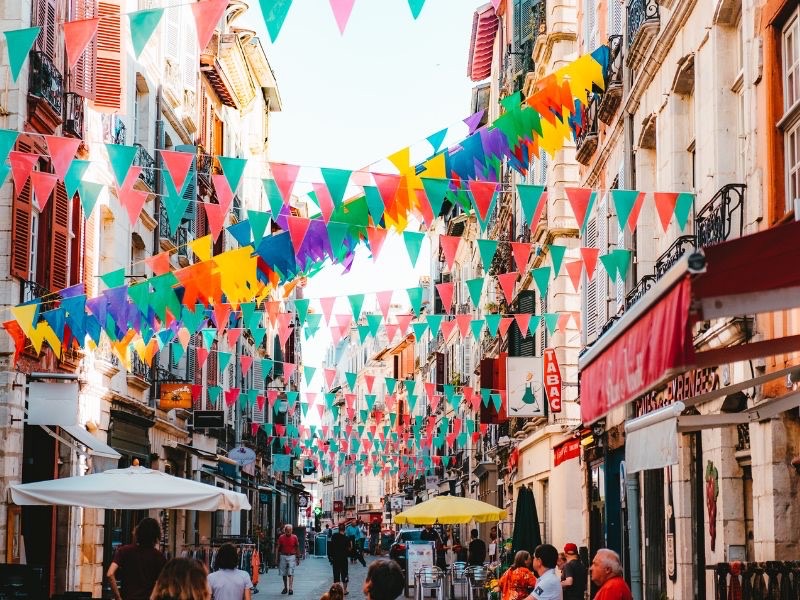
143	23
19	43
415	298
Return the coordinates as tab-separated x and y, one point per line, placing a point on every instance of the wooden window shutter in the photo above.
44	16
59	240
89	249
109	89
82	75
21	209
440	368
77	242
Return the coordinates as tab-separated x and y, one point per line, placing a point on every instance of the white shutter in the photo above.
601	277
590	20
257	416
191	59
172	32
614	17
543	168
589	288
468	358
258	376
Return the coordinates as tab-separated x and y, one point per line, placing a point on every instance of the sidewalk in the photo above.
312	578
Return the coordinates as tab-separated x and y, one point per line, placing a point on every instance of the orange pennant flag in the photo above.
62	150
574	269
132	199
376	238
43	184
77	35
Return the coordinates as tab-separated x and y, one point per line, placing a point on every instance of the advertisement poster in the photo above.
418	555
175	395
526	396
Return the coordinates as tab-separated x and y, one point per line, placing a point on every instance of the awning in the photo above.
95	446
481	46
191	450
651	441
652	341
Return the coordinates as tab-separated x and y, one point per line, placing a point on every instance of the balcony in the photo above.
538	20
523	64
105	360
73	115
718	219
612	96
644	22
587	137
30	290
170	242
45	93
148	163
139	376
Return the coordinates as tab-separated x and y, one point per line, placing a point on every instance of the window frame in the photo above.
789	123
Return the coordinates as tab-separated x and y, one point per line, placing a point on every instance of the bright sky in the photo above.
350	100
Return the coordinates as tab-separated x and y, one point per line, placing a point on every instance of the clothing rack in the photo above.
740	580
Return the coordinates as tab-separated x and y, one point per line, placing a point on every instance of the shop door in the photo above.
655	561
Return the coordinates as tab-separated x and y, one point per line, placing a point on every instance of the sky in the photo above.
351	100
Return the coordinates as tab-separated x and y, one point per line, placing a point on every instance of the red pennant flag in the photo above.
387	187
298	227
482	193
284	176
284	327
159	263
324	200
633	218
77	35
384	302
563	320
15	331
132	199
273	308
522	253
21	166
370	381
430	390
231	396
523	320
505	323
376	238
574	269
446	294
260	399
425	211
200	354
288	369
61	150
507	284
223	191
233	335
589	256
216	216
403	321
43	184
665	206
449	246
447	328
221	313
579	201
576	318
207	14
463	325
272	397
178	165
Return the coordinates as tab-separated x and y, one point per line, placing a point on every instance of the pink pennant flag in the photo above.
344	321
523	320
61	150
330	377
43	184
298	227
159	263
579	201
463	324
389	400
132	199
260	400
289	369
505	323
576	318
575	270
215	215
430	389
384	302
482	194
449	246
321	410
403	321
207	14
200	355
178	165
285	177
446	294
21	166
341	12
370	381
324	200
284	327
376	238
327	308
273	309
522	253
388	185
233	335
77	35
391	331
447	328
223	191
272	397
311	398
665	206
425	212
563	321
508	282
589	256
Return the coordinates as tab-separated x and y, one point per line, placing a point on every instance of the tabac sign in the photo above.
175	395
552	379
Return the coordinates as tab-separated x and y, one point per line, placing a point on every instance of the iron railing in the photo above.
673	254
586	137
139	368
645	283
715	222
105	353
73	114
538	20
615	68
639	13
46	81
30	290
118	135
743	434
145	160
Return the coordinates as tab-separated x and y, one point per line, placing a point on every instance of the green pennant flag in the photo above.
248	309
143	23
624	201
370	399
557	252
19	43
529	198
121	159
542	278
140	296
304	408
475	287
374	323
610	264
438	441
192	319
291	397
336	180
533	324
312	323
209	336
497	401
413	242
259	221
301	307
233	169
89	192
351	379
391	383
492	323
356	302
175	205
224	359
258	334
434	323
410	385
435	190
309	373
363	332
462	438
8	138
512	101
551	322
623	261
330	398
416	7
419	331
415	298
213	394
266	366
683	208
114	279
273	194
374	203
274	13
487	249
477	328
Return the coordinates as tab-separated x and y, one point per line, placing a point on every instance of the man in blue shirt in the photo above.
353	531
548	585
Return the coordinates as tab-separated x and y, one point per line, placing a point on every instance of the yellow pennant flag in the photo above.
202	247
24	315
401	159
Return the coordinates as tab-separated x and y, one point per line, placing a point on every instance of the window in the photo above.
790	60
34	247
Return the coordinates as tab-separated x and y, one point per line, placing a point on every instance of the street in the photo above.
312	578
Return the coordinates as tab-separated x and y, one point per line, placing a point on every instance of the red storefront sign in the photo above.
566	450
654	349
552	379
338	506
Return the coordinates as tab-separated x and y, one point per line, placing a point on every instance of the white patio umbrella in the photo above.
131	488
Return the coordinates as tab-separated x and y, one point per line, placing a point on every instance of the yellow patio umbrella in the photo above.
450	510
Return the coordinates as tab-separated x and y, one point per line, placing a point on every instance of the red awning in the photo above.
652	341
481	48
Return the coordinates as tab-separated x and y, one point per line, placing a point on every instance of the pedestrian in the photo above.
338	553
384	581
548	587
137	564
449	547
606	572
374	537
229	582
353	531
336	592
182	579
429	534
573	574
492	550
518	581
288	550
476	554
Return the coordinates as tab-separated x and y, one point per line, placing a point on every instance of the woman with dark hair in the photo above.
519	580
228	582
182	579
139	563
336	592
384	581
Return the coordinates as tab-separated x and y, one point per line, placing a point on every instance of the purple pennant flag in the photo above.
474	120
72	291
98	307
118	305
134	317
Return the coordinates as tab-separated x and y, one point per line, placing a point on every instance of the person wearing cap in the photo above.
573	574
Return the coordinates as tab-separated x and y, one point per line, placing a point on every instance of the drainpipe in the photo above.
632	488
159	134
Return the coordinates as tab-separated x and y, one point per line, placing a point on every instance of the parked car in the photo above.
397	551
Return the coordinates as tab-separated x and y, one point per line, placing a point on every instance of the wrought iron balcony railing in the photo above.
118	132
538	20
181	235
673	254
612	96
145	160
46	81
30	290
73	114
723	214
586	138
641	13
139	368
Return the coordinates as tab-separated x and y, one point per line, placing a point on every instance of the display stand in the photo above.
418	554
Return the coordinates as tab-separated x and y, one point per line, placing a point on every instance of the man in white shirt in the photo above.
548	585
